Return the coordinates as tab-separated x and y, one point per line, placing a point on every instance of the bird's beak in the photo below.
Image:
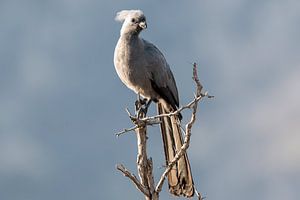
143	25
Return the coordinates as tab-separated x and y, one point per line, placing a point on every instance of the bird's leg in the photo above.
141	100
142	105
144	109
146	106
138	103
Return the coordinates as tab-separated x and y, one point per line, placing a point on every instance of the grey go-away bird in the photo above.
143	68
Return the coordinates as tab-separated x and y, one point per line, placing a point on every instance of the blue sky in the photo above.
61	101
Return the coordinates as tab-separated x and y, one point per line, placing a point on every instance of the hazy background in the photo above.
61	101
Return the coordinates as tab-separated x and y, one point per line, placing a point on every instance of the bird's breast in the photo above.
132	69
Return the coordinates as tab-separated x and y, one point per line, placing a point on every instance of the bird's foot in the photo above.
143	108
140	102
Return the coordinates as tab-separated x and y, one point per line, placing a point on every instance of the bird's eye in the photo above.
133	20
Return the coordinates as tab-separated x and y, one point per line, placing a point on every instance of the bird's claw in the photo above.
141	106
133	119
140	102
142	111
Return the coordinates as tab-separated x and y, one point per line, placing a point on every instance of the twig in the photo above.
176	112
133	178
196	79
149	122
126	130
199	194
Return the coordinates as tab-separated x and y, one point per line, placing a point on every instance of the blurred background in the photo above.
61	101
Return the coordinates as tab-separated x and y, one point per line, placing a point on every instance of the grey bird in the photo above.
143	68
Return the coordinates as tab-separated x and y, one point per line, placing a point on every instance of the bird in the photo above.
142	67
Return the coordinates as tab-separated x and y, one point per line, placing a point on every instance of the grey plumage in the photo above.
143	68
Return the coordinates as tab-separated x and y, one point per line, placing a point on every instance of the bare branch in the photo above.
133	178
149	122
196	79
154	196
143	163
139	123
176	112
199	195
188	106
126	130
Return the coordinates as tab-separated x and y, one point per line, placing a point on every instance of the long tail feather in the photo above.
180	177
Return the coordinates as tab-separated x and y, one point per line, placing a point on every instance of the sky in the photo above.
61	101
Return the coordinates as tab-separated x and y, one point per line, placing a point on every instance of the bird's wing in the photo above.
163	81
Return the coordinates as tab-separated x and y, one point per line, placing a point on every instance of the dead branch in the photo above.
142	160
144	165
199	196
133	178
127	130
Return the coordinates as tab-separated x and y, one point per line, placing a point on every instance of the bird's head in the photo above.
134	21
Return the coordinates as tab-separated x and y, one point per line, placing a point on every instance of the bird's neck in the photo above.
131	40
130	46
129	36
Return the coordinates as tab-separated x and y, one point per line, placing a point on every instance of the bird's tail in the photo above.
180	177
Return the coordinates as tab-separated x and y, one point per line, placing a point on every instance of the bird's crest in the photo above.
122	15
